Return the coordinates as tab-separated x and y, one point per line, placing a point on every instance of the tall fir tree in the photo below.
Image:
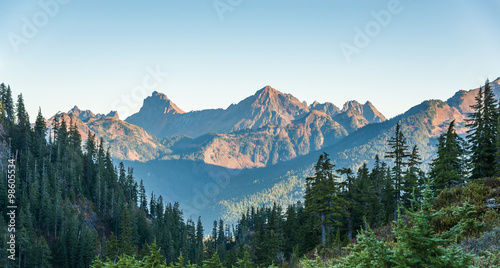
377	176
200	254
8	105
143	201
3	91
39	136
22	131
323	197
399	153
349	194
483	129
414	178
448	169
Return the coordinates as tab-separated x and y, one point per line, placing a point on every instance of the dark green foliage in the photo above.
399	153
475	193
323	197
448	169
7	106
74	202
213	262
417	243
482	136
377	201
244	262
368	252
198	247
152	258
414	178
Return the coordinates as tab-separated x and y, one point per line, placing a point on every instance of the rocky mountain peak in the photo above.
267	94
314	104
372	114
496	81
113	114
75	109
82	115
367	110
271	99
352	105
327	107
268	90
160	103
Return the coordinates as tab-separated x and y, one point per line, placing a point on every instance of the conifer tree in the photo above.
448	169
152	205
221	240
323	196
399	153
413	180
349	197
214	238
420	245
199	241
74	135
245	262
143	201
126	244
8	105
22	134
363	195
39	136
213	262
153	256
377	176
3	91
483	129
417	244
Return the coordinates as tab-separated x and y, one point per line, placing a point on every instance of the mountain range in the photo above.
218	162
268	106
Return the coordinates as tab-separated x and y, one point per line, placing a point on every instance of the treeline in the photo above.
77	209
74	205
341	202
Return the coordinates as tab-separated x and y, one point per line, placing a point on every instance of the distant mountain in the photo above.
156	113
283	182
267	106
264	129
260	150
126	141
268	145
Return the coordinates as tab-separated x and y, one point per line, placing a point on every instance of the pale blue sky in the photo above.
94	53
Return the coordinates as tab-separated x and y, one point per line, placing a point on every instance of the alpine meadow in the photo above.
240	134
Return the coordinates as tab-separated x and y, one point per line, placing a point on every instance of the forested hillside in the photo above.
421	125
73	205
394	215
74	208
270	163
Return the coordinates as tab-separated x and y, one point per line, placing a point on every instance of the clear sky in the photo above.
101	55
